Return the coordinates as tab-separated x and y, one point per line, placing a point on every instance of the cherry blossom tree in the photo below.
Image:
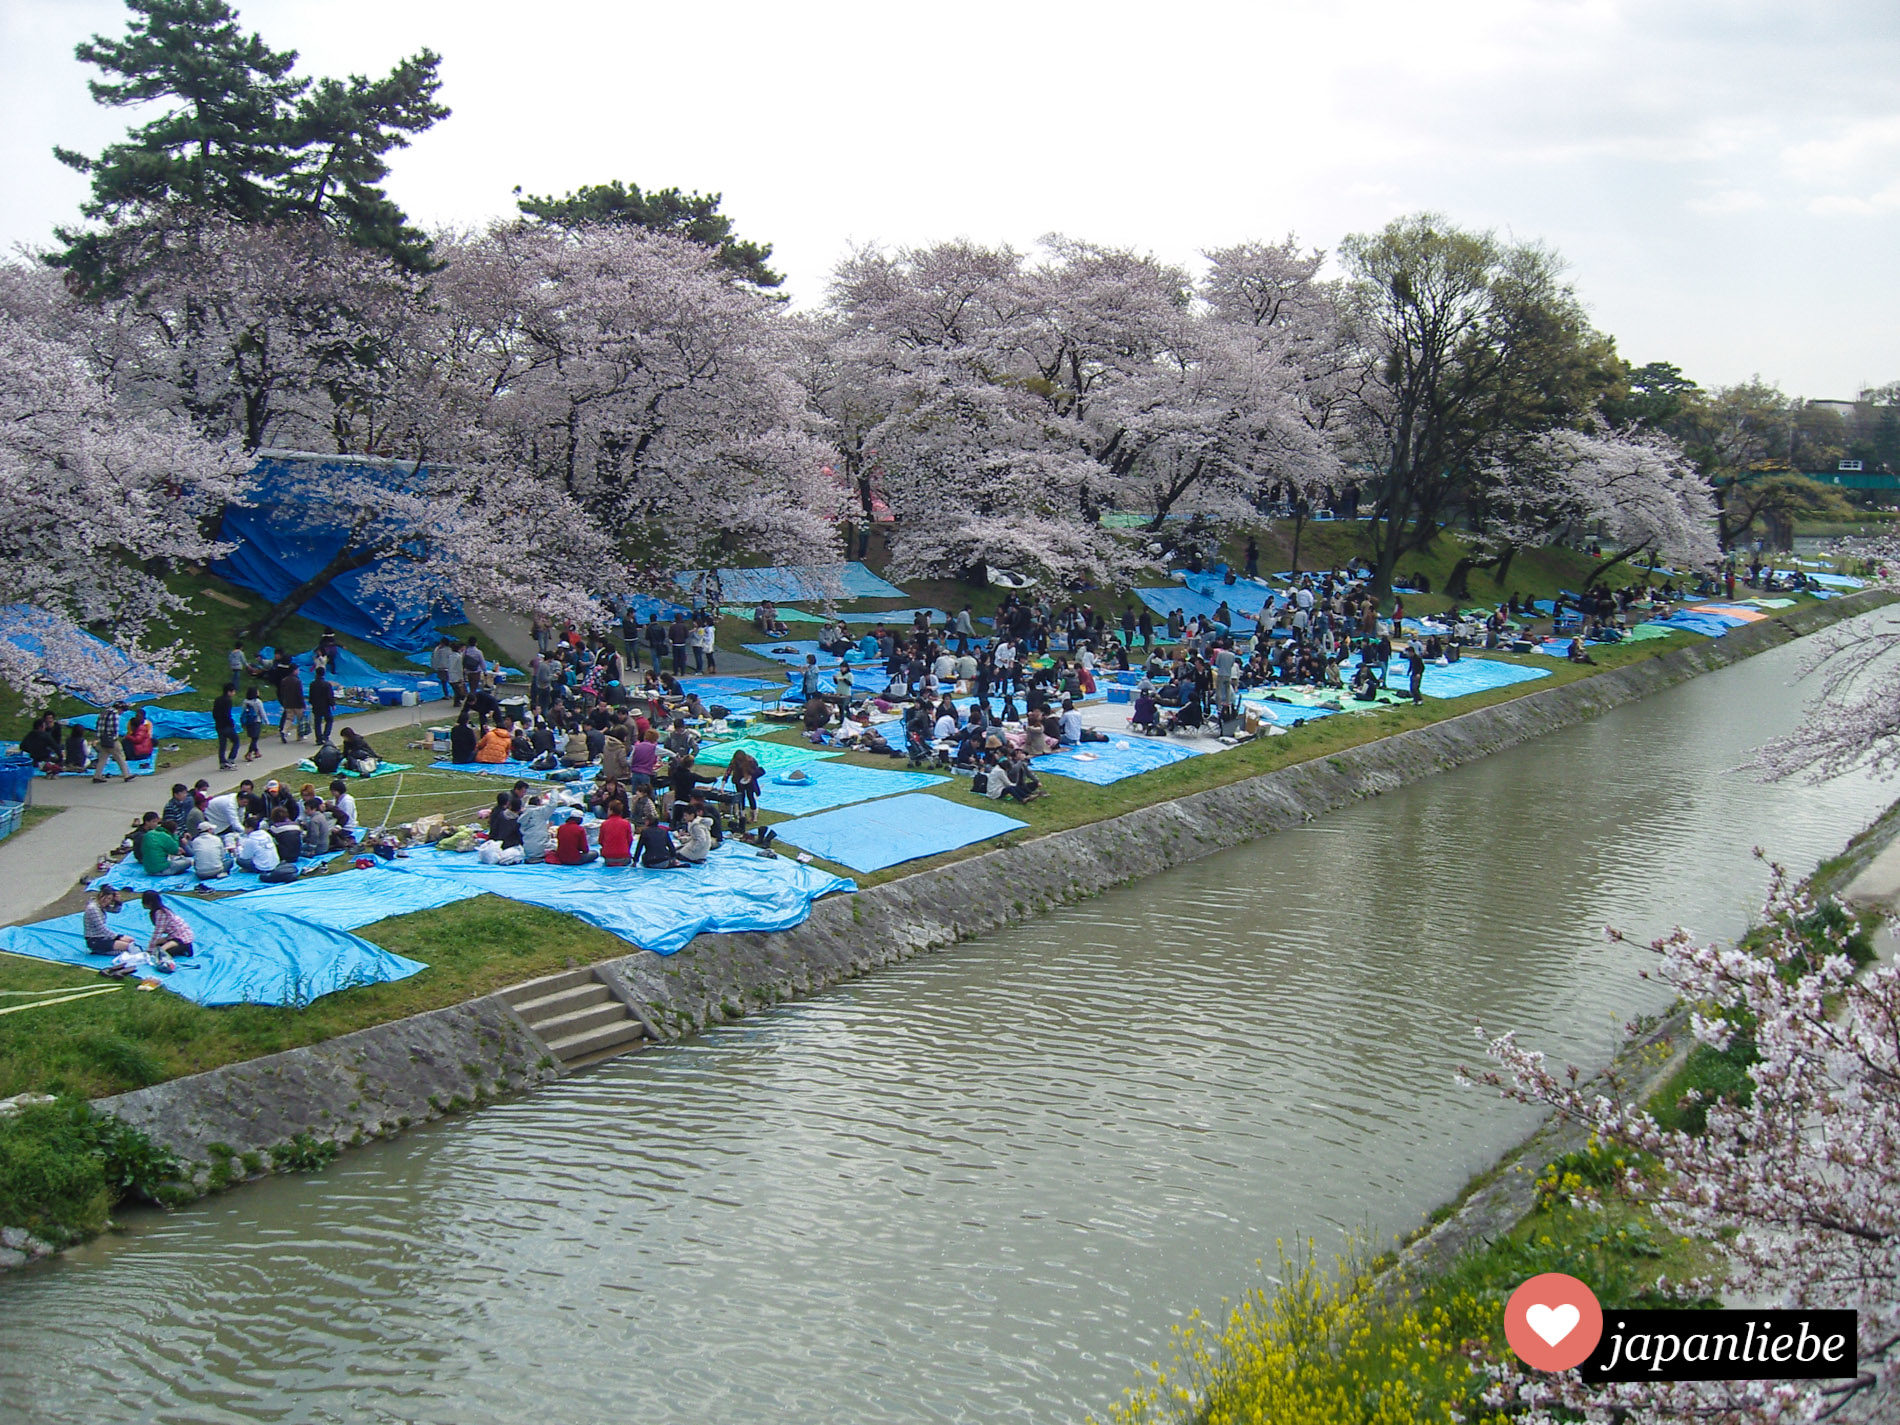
1800	1187
944	354
1633	486
1854	723
1272	293
627	372
1011	400
100	490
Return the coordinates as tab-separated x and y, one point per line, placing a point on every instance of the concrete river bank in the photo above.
980	1185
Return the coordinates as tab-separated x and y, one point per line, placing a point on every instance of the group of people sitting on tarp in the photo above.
123	734
267	831
524	827
169	942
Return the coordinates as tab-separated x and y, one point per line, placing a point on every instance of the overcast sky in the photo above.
1723	178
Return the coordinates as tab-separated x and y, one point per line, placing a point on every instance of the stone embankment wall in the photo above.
377	1081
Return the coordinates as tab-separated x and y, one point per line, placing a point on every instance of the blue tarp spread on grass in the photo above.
792	652
245	954
895	618
887	833
836	784
1709	625
796	584
140	767
1243	596
1281	714
769	755
1838	581
736	890
129	875
294	529
350	900
716	690
1099	763
1192	605
514	771
24	627
349	671
166	722
1455	680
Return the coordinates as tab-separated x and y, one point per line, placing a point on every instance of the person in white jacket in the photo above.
208	859
695	841
258	850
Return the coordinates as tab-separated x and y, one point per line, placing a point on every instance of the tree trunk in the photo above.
344	561
1604	566
1299	525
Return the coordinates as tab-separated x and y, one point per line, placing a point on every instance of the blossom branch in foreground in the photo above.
1800	1187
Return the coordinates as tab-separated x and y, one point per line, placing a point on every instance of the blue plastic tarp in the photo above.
896	618
1280	714
1709	625
349	671
793	652
24	627
1838	581
796	584
350	900
244	953
736	890
715	690
1099	763
1455	680
129	875
769	755
888	833
514	771
836	784
1191	604
295	528
1243	596
167	722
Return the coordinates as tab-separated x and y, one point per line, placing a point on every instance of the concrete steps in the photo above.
578	1017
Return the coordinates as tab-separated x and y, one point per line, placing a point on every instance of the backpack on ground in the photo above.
327	758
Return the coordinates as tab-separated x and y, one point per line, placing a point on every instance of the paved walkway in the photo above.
43	864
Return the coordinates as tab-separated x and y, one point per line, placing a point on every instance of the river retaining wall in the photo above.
377	1081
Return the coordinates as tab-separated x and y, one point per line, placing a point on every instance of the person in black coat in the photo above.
462	740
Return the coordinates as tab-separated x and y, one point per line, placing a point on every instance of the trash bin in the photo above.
16	777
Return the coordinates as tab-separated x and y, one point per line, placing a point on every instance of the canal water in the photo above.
980	1186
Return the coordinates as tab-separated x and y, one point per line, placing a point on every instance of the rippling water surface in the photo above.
979	1186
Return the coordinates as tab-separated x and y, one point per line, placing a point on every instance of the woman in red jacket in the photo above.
616	836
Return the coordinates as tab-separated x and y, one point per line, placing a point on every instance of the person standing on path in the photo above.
110	749
656	641
442	662
322	705
678	635
224	719
630	633
290	698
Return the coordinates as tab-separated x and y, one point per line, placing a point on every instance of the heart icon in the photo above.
1552	1323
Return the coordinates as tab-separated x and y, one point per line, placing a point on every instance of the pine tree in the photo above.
693	216
240	136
